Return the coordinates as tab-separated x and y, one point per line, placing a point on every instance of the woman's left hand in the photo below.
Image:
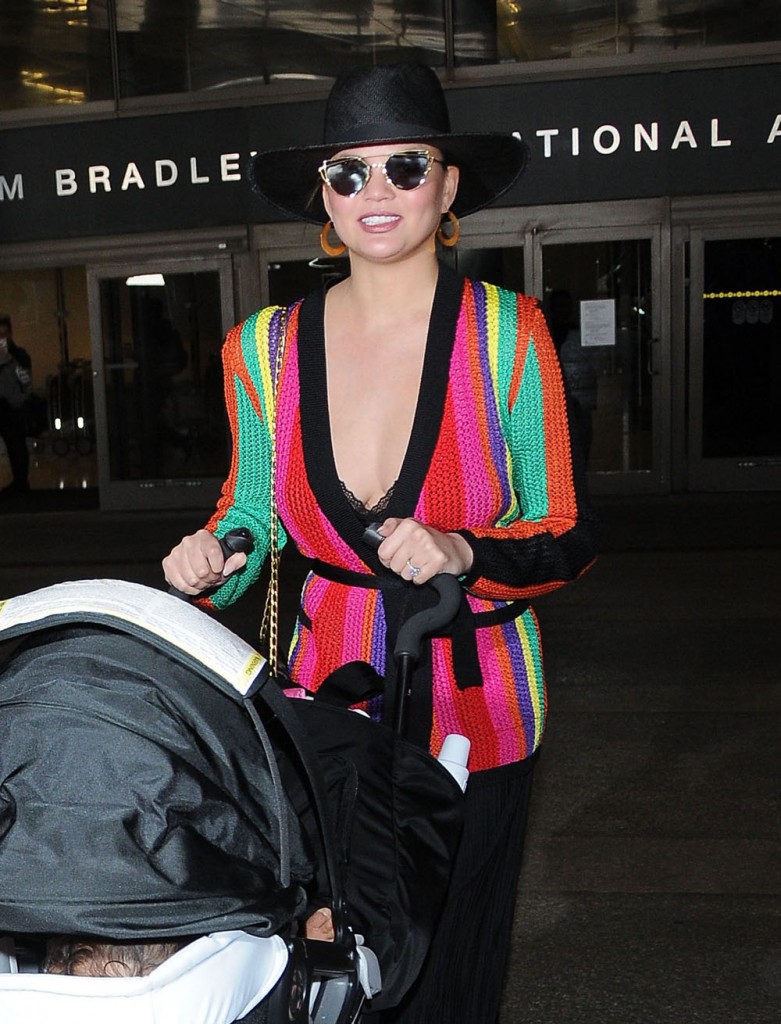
417	552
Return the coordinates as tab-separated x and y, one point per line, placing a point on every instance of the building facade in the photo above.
648	222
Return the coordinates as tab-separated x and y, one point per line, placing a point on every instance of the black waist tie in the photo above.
401	601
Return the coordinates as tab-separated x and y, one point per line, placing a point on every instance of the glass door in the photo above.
157	331
735	360
600	292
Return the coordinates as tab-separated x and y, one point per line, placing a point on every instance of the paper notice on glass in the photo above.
598	322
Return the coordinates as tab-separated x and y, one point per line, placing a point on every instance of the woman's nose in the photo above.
377	183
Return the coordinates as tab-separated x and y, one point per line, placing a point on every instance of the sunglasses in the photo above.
408	170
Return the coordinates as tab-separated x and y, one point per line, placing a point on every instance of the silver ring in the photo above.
413	570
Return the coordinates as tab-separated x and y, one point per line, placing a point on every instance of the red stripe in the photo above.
473	717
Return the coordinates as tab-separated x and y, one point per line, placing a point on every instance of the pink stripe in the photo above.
446	715
466	402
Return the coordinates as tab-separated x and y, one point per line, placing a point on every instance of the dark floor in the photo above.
651	889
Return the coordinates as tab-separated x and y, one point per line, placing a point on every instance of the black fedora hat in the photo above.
388	103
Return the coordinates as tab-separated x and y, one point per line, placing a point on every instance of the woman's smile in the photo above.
379	220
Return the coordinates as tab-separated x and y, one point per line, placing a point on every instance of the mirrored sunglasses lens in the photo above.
407	170
346	177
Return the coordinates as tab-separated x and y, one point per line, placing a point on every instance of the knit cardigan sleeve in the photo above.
552	539
249	355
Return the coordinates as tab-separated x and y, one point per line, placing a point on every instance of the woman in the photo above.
434	405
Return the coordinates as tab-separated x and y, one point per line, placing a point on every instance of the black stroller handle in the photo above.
429	620
238	539
407	647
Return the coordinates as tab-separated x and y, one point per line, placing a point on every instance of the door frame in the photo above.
694	220
186	492
533	228
719	474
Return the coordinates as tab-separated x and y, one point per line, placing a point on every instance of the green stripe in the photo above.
530	466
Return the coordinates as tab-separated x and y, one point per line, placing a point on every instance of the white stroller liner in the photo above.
197	638
216	979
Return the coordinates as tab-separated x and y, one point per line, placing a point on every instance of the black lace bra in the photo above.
369	515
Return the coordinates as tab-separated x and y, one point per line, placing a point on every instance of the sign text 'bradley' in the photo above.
161	174
604	140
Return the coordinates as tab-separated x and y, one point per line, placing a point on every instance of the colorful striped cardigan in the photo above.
489	456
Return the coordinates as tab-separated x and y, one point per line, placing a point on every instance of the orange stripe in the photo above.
507	674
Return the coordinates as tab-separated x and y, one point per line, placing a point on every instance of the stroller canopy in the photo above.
142	797
136	797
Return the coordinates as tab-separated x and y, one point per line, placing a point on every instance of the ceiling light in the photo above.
146	280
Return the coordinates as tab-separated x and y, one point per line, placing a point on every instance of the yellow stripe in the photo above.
262	326
535	682
769	294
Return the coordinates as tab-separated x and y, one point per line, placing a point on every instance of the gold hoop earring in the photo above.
325	245
449	240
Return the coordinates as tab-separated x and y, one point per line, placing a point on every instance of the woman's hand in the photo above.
418	553
197	563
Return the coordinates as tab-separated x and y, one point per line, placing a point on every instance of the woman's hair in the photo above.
91	957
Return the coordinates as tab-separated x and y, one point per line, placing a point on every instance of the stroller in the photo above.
154	782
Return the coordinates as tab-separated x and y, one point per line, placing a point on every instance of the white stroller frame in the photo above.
215	979
304	981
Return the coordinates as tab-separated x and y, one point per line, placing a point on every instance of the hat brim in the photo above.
489	165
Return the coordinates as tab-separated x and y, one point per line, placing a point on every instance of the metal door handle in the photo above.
650	359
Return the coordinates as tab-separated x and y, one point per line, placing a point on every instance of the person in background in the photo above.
433	404
577	367
15	381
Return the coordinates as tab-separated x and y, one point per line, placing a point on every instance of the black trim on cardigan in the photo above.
495	617
324	480
315	420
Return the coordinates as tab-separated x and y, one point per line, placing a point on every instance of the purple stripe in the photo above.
497	443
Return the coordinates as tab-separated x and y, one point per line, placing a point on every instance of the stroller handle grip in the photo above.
429	620
238	539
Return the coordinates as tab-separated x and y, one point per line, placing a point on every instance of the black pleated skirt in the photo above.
461	981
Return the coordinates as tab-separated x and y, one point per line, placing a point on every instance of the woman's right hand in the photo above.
197	563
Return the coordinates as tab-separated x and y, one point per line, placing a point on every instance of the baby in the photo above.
93	958
86	957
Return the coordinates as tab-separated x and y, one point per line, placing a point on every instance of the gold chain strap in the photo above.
269	626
